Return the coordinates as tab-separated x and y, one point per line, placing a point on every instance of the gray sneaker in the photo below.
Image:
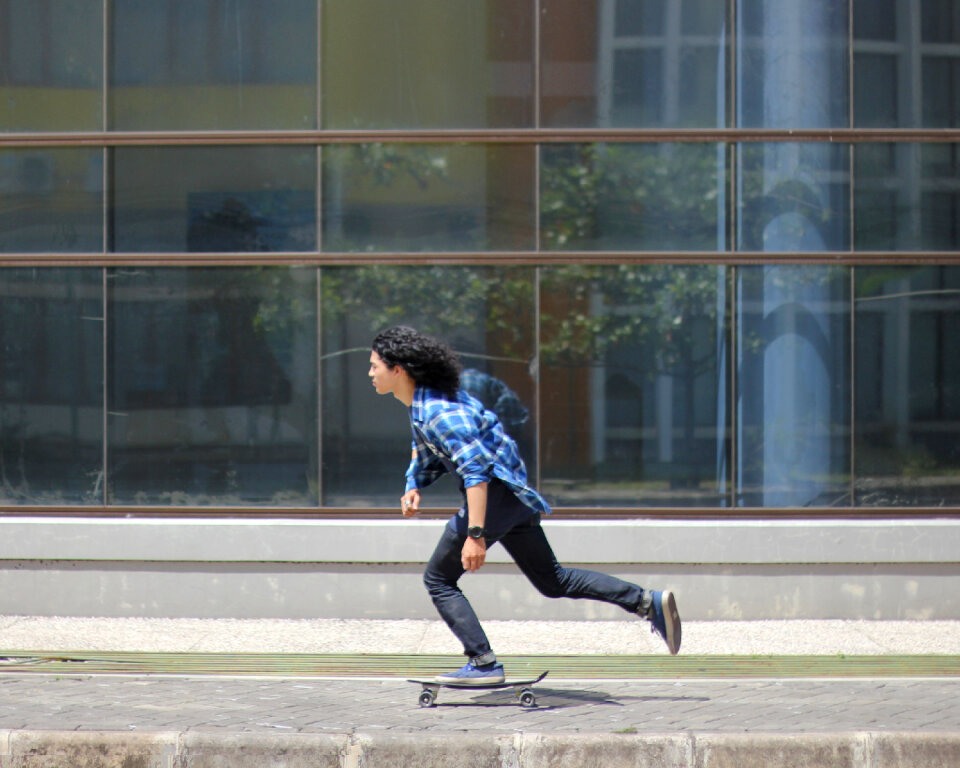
665	619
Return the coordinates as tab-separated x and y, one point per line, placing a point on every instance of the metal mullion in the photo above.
731	244
537	66
318	303
105	66
105	417
537	74
319	72
851	107
537	377
319	387
853	386
730	57
732	384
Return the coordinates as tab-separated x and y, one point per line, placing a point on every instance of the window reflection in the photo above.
51	65
633	197
906	63
793	373
907	197
428	64
212	386
632	410
486	315
226	199
907	386
793	69
633	64
51	200
207	64
392	197
794	197
51	386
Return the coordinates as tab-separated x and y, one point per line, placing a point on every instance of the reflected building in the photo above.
208	209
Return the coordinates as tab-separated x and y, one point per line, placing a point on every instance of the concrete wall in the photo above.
866	569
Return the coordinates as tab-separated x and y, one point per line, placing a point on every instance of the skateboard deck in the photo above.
523	689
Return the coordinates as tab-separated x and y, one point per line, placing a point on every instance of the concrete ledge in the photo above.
745	542
242	568
246	750
110	749
78	749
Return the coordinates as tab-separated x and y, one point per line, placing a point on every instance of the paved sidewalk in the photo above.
135	721
250	705
129	722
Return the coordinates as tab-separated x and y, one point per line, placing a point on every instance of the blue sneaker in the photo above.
488	674
665	619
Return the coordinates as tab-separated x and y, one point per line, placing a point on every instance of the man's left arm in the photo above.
474	552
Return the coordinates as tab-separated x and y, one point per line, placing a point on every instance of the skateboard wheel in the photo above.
528	700
427	699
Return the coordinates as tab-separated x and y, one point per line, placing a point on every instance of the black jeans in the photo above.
529	548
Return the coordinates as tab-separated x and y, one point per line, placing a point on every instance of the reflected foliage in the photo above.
631	197
447	301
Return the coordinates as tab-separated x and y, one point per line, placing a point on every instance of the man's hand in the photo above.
410	503
474	554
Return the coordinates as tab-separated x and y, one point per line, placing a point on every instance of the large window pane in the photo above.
793	197
51	386
232	199
633	64
51	200
212	386
428	64
208	64
638	197
793	69
793	374
51	64
907	197
907	386
486	315
633	406
906	64
394	197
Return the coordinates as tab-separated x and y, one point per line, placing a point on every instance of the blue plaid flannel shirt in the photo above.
470	437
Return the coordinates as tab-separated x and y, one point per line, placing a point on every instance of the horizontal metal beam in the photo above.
565	513
479	258
480	136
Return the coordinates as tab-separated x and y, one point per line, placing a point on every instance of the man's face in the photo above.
383	377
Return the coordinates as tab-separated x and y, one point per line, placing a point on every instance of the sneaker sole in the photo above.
671	620
469	680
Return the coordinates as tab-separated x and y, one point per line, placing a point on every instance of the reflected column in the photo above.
792	321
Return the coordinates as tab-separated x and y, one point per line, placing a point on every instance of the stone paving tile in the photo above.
246	705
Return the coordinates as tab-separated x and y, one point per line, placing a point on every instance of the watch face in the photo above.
475	532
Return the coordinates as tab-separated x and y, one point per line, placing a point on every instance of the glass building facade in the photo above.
701	256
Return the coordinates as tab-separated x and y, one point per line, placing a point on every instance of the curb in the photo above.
191	749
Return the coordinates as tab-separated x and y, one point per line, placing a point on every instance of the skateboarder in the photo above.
452	432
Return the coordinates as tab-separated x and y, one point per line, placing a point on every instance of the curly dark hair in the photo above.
430	362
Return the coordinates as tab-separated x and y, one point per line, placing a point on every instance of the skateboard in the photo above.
523	689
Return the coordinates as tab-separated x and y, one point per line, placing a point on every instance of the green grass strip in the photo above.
652	667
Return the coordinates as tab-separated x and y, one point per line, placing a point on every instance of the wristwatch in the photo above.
476	532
